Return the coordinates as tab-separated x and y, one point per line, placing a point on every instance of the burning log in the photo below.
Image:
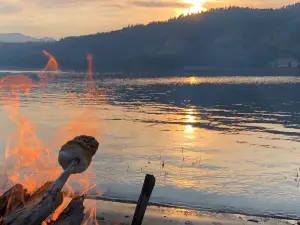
39	193
73	214
75	157
29	200
34	213
12	199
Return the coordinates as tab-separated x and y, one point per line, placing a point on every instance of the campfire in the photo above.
20	207
26	157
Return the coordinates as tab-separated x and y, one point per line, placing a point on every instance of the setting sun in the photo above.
196	6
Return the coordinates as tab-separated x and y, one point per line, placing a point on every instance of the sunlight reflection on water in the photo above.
225	142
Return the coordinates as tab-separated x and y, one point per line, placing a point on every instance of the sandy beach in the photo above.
114	213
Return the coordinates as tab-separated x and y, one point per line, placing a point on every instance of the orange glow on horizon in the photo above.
196	7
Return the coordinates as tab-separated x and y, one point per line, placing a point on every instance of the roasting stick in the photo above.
62	179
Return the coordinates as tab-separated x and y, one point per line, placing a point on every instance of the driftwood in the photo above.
143	200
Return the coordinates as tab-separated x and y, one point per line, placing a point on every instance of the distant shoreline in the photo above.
211	72
245	72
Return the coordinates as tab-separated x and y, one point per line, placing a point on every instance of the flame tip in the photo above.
24	146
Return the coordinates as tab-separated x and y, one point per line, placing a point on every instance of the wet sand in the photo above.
114	213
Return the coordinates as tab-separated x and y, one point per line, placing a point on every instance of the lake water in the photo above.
223	144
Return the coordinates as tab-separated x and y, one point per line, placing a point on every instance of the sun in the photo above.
196	6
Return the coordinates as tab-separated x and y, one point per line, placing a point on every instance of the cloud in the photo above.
160	4
71	3
9	9
57	3
60	18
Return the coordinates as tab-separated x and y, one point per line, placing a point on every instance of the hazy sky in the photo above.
60	18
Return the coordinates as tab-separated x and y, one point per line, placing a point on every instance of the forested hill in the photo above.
229	37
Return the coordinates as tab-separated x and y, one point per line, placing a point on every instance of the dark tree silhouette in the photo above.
231	37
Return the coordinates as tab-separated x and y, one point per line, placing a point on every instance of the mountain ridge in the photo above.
232	37
21	38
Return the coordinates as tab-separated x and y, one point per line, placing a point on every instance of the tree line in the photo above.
231	37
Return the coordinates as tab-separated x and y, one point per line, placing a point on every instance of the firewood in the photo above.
39	193
5	197
73	214
12	199
35	212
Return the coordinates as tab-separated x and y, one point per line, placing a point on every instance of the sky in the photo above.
61	18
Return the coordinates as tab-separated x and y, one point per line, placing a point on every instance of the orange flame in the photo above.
92	217
90	79
23	146
59	210
16	83
26	154
88	189
52	66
